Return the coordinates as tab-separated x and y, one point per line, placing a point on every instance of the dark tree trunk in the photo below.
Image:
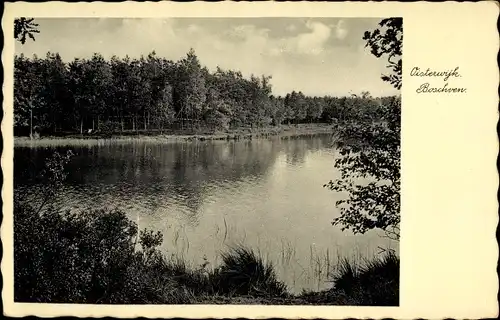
31	123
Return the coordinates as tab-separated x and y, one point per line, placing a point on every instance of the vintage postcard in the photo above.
255	160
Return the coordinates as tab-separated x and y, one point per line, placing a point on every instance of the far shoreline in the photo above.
282	132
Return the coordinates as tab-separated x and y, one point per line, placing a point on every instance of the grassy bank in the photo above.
101	257
283	131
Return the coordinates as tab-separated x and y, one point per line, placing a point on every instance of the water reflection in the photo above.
206	196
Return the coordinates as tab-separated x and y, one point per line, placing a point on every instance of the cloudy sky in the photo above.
315	55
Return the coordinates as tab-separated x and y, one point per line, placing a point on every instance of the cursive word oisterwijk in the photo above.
417	72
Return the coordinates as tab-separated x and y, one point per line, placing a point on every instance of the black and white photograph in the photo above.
250	161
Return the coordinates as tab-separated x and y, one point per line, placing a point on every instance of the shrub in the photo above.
87	257
107	128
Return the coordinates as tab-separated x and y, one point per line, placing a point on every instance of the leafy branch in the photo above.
369	163
23	28
388	41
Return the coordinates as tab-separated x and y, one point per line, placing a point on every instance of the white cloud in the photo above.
314	41
340	30
311	42
193	28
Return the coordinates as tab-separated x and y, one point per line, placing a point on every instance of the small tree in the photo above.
53	176
371	151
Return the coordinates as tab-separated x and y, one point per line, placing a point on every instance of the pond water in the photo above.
208	196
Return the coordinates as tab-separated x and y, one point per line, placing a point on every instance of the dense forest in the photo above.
154	94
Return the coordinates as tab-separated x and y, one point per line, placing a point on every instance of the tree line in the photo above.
153	93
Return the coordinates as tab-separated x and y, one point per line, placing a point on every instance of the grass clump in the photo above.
374	283
243	272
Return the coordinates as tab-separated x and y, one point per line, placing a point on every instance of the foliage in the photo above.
374	283
388	41
27	88
217	112
369	163
52	176
190	87
77	257
153	93
25	27
370	153
107	128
